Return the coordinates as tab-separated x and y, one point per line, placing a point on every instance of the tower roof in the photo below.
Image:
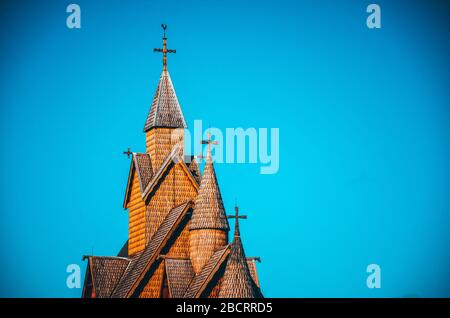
165	110
209	212
237	279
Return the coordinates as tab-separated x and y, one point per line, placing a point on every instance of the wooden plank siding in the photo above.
160	142
136	220
174	189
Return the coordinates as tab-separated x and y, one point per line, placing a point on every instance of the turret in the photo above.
209	225
237	280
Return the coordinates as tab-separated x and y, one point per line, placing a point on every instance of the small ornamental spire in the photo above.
164	50
209	212
237	280
236	216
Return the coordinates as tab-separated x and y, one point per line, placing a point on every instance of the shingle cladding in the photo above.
151	251
225	271
148	176
205	275
165	110
253	272
209	212
106	272
237	280
143	165
179	274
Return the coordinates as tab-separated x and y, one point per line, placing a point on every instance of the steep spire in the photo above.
237	279
165	110
209	212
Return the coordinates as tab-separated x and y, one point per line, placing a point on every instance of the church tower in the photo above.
150	199
165	122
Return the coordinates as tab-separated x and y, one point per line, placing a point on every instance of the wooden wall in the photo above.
159	143
202	245
175	188
153	287
136	218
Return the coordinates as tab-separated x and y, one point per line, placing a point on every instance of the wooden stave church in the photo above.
178	231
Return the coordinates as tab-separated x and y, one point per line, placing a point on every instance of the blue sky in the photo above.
364	135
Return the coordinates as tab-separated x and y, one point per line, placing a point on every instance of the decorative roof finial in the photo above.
236	216
128	152
164	50
209	142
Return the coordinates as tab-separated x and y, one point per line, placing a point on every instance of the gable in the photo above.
159	176
103	273
179	274
140	167
88	287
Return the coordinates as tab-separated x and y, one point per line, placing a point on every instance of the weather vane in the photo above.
164	26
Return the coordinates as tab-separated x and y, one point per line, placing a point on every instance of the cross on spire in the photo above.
164	50
209	142
128	152
236	216
254	258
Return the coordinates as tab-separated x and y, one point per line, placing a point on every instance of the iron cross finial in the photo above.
164	50
128	152
209	142
237	217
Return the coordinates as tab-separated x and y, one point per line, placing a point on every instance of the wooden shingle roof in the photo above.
141	164
209	212
135	271
251	263
199	282
165	110
144	169
237	280
179	275
106	272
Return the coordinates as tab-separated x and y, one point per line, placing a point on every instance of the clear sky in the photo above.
364	135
